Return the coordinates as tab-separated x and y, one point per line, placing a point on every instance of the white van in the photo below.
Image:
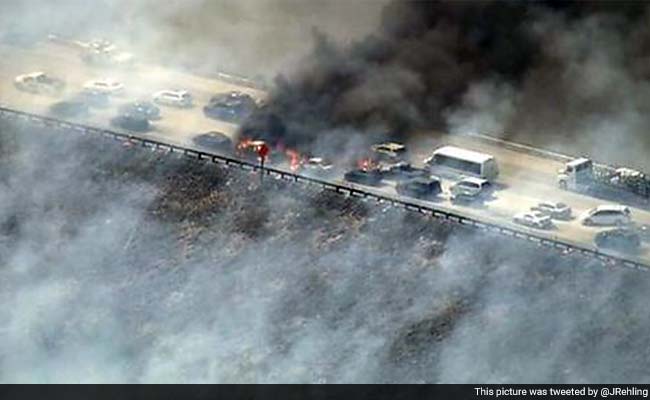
609	214
451	160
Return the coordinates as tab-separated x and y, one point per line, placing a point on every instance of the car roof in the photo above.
535	214
463	154
471	179
552	203
390	145
319	160
172	91
611	207
425	180
107	81
577	161
213	133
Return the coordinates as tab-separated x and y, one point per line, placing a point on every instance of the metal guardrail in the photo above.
343	188
522	148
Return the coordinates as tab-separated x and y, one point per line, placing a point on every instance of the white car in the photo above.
535	219
107	58
553	209
104	86
39	82
608	214
318	163
178	98
470	187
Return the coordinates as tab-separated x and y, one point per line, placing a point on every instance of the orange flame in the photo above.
247	146
294	159
244	144
366	164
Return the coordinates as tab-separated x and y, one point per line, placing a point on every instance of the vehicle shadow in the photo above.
474	202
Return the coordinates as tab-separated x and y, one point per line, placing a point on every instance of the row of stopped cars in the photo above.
136	115
389	162
477	171
624	234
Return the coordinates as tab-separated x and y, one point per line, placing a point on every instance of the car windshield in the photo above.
468	184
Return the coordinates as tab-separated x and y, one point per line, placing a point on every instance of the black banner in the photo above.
291	392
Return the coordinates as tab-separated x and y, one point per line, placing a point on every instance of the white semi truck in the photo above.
584	176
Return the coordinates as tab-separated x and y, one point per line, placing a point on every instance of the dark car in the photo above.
69	109
366	177
214	140
402	171
618	239
131	122
145	109
94	99
421	188
644	231
231	107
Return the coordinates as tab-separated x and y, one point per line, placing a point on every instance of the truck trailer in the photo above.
584	176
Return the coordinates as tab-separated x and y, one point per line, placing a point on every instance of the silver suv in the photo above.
470	187
608	215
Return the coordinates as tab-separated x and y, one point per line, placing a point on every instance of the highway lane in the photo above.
140	82
526	179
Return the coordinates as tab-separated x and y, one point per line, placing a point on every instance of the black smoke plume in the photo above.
421	62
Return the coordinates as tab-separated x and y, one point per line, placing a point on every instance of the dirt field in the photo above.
121	264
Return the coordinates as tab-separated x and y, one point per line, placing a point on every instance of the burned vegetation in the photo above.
159	268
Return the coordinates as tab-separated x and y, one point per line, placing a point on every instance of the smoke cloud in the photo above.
126	265
550	73
250	38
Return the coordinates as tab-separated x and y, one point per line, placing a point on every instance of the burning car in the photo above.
249	149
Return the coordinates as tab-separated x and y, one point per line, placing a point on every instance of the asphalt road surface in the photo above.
524	179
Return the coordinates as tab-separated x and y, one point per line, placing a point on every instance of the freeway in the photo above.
524	179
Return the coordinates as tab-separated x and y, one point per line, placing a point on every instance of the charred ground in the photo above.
122	264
